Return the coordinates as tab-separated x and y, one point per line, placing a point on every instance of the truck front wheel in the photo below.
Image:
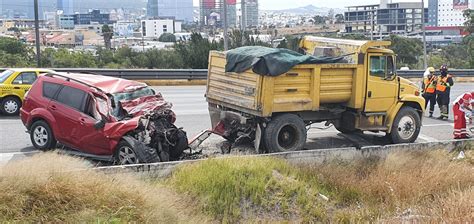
285	132
406	126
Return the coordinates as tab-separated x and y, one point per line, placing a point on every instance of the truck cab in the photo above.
362	92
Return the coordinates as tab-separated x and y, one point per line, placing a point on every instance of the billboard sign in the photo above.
460	4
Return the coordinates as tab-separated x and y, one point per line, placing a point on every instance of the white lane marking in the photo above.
436	125
427	138
5	157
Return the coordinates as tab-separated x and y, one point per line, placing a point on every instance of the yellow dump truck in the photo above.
361	93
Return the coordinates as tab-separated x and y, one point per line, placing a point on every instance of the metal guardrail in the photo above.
201	74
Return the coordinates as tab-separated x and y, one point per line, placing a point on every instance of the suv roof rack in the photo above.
73	79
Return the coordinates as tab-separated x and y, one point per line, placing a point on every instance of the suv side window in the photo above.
50	89
72	97
25	78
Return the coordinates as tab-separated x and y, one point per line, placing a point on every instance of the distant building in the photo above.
385	18
448	13
249	16
125	28
179	9
211	12
66	22
20	23
154	28
92	16
66	6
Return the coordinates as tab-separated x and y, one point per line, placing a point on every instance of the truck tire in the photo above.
285	132
406	126
42	136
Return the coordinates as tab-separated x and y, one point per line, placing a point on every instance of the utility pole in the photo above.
38	49
226	44
425	58
372	25
243	16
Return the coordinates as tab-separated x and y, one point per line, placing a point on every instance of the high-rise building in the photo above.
211	12
179	9
249	13
67	6
385	18
448	13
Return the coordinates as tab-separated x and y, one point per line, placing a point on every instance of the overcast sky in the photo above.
286	4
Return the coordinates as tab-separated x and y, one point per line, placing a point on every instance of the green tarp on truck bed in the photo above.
269	61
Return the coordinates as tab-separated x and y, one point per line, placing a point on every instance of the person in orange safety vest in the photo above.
463	106
443	91
429	88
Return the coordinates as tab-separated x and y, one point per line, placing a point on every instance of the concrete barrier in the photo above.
160	170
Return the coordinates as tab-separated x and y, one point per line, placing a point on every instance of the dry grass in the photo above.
48	188
425	186
416	185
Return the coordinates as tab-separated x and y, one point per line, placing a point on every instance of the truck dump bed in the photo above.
303	88
306	87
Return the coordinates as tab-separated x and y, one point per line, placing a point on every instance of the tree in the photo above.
13	46
108	34
469	42
408	50
104	57
339	18
14	53
195	53
167	37
319	19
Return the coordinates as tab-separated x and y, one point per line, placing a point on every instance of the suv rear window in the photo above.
72	97
50	89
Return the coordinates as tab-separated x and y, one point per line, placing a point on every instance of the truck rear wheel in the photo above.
406	126
285	132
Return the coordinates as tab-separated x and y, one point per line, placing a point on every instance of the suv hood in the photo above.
147	104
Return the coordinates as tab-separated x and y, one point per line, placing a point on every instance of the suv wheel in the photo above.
10	106
125	154
42	136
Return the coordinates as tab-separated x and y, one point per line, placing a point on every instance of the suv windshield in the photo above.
127	96
4	75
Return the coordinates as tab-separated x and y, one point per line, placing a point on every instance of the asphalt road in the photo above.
191	109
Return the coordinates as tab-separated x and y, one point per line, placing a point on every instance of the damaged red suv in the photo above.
102	117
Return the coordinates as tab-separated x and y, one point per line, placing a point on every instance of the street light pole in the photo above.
425	58
226	46
38	49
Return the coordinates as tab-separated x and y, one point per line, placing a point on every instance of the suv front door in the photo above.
91	139
382	85
75	126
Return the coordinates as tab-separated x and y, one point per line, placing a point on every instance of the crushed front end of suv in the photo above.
103	118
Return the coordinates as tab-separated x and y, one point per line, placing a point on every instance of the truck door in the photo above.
382	85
